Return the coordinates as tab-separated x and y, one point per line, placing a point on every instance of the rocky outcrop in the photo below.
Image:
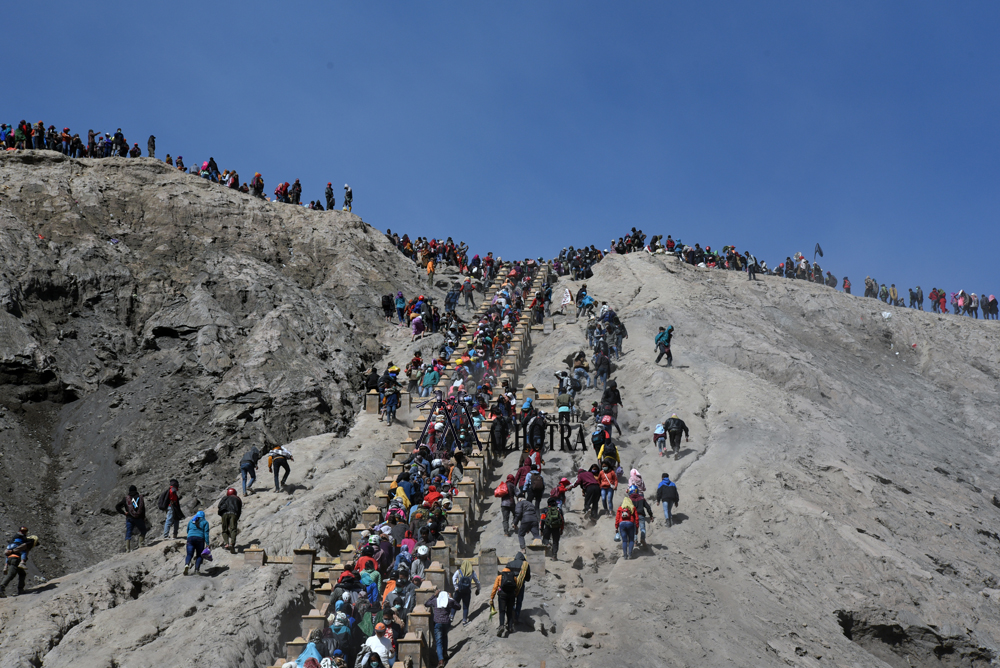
156	325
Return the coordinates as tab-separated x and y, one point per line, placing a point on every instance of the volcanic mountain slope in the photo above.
837	495
156	325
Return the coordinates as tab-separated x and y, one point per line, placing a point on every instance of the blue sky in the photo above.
522	127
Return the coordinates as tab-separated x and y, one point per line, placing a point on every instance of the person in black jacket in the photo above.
133	507
248	467
666	494
674	427
230	509
151	146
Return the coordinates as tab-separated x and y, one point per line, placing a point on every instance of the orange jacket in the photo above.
608	480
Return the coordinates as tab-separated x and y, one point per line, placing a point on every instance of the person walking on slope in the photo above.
198	540
277	459
643	511
462	582
230	509
441	607
675	426
248	468
170	501
553	524
16	560
666	494
625	526
348	197
587	481
662	343
525	519
508	589
133	507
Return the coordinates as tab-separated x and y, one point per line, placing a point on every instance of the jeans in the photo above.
464	596
524	529
136	524
579	373
279	464
675	441
627	532
667	505
607	498
664	350
642	528
173	518
602	379
441	639
195	546
425	391
246	471
468	300
14	571
39	142
505	511
661	444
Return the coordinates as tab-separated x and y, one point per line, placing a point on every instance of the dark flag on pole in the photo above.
818	250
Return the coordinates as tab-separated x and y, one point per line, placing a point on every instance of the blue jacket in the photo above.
199	529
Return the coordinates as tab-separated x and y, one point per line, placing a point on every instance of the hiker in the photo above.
660	437
608	480
507	587
248	467
643	511
348	197
441	607
230	509
198	541
461	582
16	560
666	494
278	458
662	343
847	285
534	484
625	526
170	501
587	481
553	524
525	519
675	426
331	201
133	507
507	502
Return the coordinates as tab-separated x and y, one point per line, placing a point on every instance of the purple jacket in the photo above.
442	615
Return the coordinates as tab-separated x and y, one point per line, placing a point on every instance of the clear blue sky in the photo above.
523	127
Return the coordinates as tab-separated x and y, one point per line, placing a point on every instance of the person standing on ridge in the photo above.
674	427
170	501
151	146
662	342
348	197
133	507
296	192
331	201
230	509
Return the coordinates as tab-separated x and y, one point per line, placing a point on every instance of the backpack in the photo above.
387	302
464	583
597	438
508	581
553	517
371	586
610	451
626	515
537	484
164	501
575	384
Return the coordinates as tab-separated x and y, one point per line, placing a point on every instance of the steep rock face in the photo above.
155	325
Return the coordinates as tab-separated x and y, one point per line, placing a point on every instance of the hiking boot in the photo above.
509	630
677	456
128	546
499	630
670	523
142	541
186	567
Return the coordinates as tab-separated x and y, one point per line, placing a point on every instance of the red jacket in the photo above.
629	517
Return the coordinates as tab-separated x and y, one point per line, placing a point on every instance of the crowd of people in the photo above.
27	136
